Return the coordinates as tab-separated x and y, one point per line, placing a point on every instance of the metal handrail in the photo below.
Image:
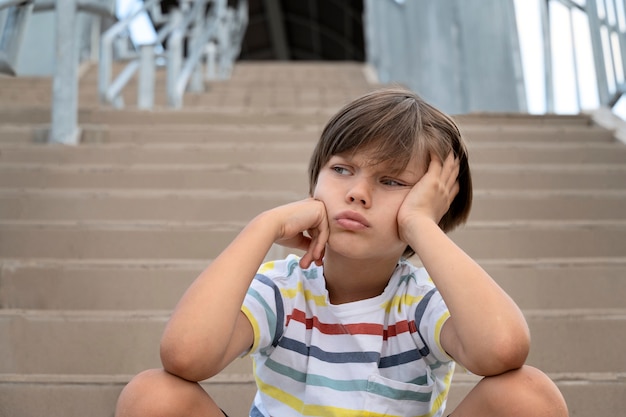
219	28
178	74
105	65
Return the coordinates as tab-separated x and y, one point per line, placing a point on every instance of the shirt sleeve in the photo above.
264	309
434	313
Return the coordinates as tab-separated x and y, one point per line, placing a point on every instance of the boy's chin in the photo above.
357	249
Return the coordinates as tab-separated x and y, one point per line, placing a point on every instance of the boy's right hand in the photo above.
303	225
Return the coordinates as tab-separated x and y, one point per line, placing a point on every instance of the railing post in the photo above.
64	127
223	39
211	59
174	58
196	83
145	88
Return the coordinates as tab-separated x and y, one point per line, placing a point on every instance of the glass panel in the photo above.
587	80
528	16
621	15
617	58
565	86
610	11
608	59
601	9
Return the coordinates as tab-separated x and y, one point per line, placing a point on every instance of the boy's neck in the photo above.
349	280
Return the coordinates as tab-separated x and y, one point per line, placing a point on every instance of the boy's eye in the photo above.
341	170
392	183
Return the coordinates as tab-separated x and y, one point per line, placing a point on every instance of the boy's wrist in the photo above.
417	228
268	222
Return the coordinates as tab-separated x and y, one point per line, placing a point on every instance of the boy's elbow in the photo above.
504	354
183	363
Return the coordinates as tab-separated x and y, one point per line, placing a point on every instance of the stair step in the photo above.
223	205
21	124
169	205
203	240
94	342
153	284
167	134
290	117
217	129
292	150
553	152
288	176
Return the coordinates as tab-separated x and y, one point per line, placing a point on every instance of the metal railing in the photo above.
214	33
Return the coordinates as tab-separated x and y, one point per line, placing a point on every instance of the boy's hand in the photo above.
431	197
297	218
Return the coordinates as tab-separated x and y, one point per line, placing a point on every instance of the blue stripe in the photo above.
419	314
330	357
280	310
421	307
400	358
255	412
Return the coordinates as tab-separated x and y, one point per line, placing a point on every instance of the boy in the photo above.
352	328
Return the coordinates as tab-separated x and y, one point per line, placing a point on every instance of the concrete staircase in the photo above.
98	242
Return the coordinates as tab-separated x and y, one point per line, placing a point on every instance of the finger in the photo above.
318	245
454	174
450	171
435	166
454	191
311	256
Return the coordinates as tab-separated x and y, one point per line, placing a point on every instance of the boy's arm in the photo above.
486	331
207	329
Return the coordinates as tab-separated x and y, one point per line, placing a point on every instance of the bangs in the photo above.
385	129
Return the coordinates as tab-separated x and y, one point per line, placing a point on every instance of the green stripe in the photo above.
269	313
347	385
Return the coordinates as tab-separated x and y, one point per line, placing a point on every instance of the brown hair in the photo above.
394	124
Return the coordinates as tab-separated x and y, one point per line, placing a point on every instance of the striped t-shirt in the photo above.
376	357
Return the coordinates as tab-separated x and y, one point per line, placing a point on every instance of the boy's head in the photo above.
393	125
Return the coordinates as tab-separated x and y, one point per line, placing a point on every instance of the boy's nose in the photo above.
359	194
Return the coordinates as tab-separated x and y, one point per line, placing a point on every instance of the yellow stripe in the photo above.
255	328
266	267
312	410
401	300
442	395
319	300
438	327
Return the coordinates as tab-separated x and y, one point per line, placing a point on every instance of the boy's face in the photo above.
362	200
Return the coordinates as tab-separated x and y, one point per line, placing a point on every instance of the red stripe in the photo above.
328	328
399	328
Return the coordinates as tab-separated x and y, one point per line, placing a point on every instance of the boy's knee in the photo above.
150	393
529	391
142	395
156	393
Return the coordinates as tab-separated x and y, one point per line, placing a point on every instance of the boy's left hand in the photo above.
432	195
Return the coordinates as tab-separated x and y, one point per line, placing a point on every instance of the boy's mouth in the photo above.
351	220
